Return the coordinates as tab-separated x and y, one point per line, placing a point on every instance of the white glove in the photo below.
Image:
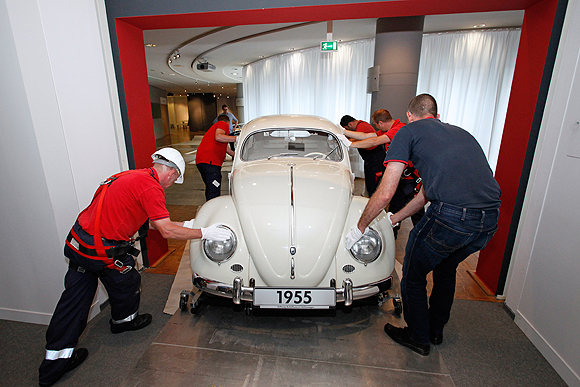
188	223
215	233
346	142
352	237
389	214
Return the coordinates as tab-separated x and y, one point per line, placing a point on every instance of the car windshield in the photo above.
291	142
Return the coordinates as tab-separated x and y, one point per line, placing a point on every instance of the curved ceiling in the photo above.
172	54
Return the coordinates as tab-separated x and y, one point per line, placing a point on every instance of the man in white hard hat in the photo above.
100	246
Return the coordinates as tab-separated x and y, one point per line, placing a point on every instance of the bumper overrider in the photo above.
238	292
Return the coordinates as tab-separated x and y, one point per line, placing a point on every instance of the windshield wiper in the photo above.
283	155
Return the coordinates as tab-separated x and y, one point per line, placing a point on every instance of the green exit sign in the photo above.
329	46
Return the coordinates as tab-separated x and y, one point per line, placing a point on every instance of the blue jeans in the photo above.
445	236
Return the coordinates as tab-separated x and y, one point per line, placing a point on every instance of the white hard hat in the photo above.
171	157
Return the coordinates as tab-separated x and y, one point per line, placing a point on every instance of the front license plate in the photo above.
295	298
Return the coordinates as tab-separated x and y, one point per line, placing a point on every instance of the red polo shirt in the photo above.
391	132
129	202
209	150
365	127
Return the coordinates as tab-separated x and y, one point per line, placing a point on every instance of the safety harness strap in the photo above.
99	251
410	173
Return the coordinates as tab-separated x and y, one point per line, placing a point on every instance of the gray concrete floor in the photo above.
223	346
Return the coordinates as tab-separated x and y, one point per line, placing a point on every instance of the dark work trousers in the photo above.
404	194
445	236
374	168
212	177
70	316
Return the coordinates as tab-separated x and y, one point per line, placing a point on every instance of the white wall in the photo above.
58	140
544	286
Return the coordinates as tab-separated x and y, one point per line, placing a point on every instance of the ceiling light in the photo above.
479	25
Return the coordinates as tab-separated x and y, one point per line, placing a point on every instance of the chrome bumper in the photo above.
238	292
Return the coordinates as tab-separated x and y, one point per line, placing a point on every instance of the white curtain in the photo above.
470	74
309	81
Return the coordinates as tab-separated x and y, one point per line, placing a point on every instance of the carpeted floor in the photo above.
111	357
483	347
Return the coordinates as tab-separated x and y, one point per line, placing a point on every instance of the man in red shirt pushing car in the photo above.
100	245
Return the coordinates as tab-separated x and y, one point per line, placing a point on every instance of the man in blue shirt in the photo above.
233	119
461	219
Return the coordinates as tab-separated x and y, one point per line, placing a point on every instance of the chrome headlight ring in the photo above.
221	251
368	248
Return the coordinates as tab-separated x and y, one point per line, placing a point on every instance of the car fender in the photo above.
220	210
348	267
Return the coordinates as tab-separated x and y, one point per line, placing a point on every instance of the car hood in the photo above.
292	200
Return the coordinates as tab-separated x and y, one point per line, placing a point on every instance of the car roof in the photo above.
291	121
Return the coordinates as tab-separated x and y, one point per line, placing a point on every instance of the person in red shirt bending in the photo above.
100	246
410	180
211	154
373	156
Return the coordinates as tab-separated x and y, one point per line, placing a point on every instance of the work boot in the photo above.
141	321
78	356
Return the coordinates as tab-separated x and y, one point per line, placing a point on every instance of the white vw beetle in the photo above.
290	207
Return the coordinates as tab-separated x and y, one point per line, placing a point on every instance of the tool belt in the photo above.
99	251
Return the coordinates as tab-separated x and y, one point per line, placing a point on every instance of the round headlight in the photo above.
368	248
220	251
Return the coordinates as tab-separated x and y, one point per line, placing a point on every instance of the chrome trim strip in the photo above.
292	222
246	293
